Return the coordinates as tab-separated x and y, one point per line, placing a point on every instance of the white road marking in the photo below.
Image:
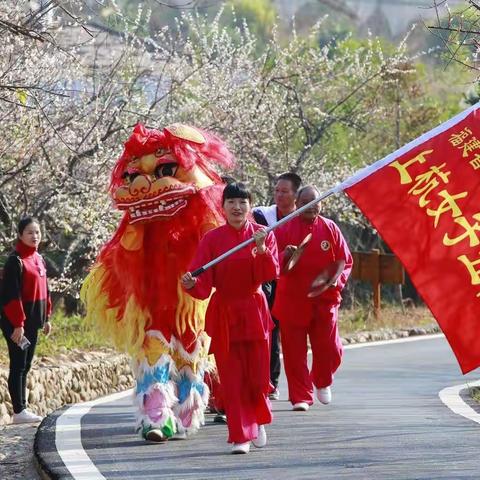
68	434
450	396
396	340
68	438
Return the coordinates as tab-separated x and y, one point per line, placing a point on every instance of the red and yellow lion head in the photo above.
159	171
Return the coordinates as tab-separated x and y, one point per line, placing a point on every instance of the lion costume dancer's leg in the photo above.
154	391
170	393
191	361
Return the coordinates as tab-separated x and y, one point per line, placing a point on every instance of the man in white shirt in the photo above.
284	197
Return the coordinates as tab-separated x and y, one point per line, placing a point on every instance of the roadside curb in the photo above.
389	334
47	459
467	398
68	379
458	400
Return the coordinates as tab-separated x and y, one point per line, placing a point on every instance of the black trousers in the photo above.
20	363
275	363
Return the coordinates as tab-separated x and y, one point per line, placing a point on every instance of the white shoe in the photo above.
25	416
241	447
301	406
275	395
261	440
324	395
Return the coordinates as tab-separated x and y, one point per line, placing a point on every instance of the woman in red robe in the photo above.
238	318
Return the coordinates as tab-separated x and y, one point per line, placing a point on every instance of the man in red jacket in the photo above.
304	311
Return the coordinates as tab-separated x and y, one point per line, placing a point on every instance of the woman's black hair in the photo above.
236	190
22	224
226	179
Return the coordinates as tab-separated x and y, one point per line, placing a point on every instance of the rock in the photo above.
70	377
5	419
376	336
416	331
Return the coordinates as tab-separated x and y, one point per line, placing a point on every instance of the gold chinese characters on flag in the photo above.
424	200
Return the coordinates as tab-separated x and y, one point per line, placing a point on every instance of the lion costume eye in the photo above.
166	170
129	177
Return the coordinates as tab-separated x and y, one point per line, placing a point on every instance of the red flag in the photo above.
424	200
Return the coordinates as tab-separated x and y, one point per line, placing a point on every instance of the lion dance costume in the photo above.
166	185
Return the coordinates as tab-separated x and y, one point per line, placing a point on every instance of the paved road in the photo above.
386	421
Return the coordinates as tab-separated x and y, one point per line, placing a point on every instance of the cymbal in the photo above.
293	260
318	289
319	284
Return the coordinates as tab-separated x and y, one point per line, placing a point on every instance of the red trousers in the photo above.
244	376
215	401
322	331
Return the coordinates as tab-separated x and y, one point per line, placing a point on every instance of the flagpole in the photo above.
213	262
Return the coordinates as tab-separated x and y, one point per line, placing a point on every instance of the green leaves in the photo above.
22	96
270	62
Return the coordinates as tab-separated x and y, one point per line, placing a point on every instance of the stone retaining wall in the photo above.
77	377
390	334
80	376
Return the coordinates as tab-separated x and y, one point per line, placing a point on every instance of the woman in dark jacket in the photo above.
26	307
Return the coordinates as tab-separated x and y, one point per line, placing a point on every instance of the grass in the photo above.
73	332
362	318
475	393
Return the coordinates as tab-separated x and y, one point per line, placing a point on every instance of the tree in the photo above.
258	15
320	111
458	31
341	7
339	24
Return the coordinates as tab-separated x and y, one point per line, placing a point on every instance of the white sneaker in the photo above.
324	395
241	447
301	406
25	416
275	395
261	440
